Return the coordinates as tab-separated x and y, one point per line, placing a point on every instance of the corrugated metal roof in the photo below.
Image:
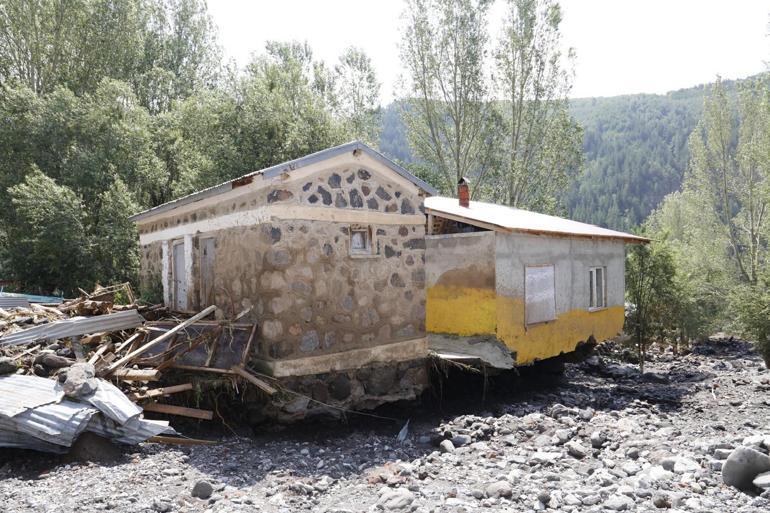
21	393
13	302
33	298
34	415
75	326
285	167
500	217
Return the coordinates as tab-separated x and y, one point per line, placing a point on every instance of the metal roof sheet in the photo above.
285	167
13	302
21	393
32	298
503	218
75	326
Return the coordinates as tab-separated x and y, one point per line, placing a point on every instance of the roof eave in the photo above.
283	167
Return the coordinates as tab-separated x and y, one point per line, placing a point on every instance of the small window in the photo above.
360	240
597	285
539	294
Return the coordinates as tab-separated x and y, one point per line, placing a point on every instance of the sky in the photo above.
622	46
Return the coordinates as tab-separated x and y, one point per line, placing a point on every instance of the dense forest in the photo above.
635	152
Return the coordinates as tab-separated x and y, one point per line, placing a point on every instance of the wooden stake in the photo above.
251	378
138	374
170	409
158	392
133	354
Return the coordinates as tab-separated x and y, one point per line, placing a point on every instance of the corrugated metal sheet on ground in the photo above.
514	219
33	298
35	415
13	302
74	327
21	393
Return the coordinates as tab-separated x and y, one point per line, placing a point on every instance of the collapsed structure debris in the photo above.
57	363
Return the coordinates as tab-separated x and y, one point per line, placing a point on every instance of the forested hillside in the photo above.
635	152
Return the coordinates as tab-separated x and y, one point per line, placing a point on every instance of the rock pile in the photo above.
599	441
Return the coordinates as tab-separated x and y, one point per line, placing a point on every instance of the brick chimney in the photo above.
463	192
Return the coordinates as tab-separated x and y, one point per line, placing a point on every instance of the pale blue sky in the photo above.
622	46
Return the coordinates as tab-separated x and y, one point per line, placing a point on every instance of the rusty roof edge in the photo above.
278	169
624	237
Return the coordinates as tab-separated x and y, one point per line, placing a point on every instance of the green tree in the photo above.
650	288
357	95
446	106
729	165
115	249
48	248
542	148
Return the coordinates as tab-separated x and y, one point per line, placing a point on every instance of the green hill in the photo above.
635	152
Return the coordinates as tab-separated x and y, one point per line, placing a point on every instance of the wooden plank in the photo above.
133	354
248	376
170	409
102	349
158	392
138	374
180	441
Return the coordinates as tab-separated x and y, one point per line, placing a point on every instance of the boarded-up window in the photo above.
540	294
207	249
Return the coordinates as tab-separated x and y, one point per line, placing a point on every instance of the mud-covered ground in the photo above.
602	438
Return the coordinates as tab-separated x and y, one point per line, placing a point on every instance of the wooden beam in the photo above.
102	349
170	409
138	374
248	376
158	392
133	354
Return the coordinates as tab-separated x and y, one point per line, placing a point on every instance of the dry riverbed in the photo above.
604	438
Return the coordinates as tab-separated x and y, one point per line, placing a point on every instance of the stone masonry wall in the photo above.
308	294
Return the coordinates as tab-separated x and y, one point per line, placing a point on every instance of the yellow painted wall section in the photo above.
463	311
546	340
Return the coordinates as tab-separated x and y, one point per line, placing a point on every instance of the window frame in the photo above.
593	305
371	250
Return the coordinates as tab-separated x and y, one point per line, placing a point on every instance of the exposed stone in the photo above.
389	252
278	258
382	194
762	481
598	439
619	503
576	449
339	388
403	231
307	186
356	201
372	204
417	243
363	174
275	234
499	489
407	207
446	446
80	380
202	490
661	501
340	201
743	465
381	380
398	499
391	208
7	366
326	196
312	198
350	178
334	181
396	280
279	195
366	190
272	329
52	361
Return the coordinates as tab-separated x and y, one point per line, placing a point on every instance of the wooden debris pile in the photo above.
146	351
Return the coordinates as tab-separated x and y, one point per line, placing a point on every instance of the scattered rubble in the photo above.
73	349
647	446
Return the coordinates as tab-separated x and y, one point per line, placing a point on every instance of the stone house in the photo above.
511	287
327	252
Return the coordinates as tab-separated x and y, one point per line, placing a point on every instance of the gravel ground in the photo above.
603	438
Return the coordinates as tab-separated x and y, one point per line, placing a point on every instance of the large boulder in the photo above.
742	466
80	380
